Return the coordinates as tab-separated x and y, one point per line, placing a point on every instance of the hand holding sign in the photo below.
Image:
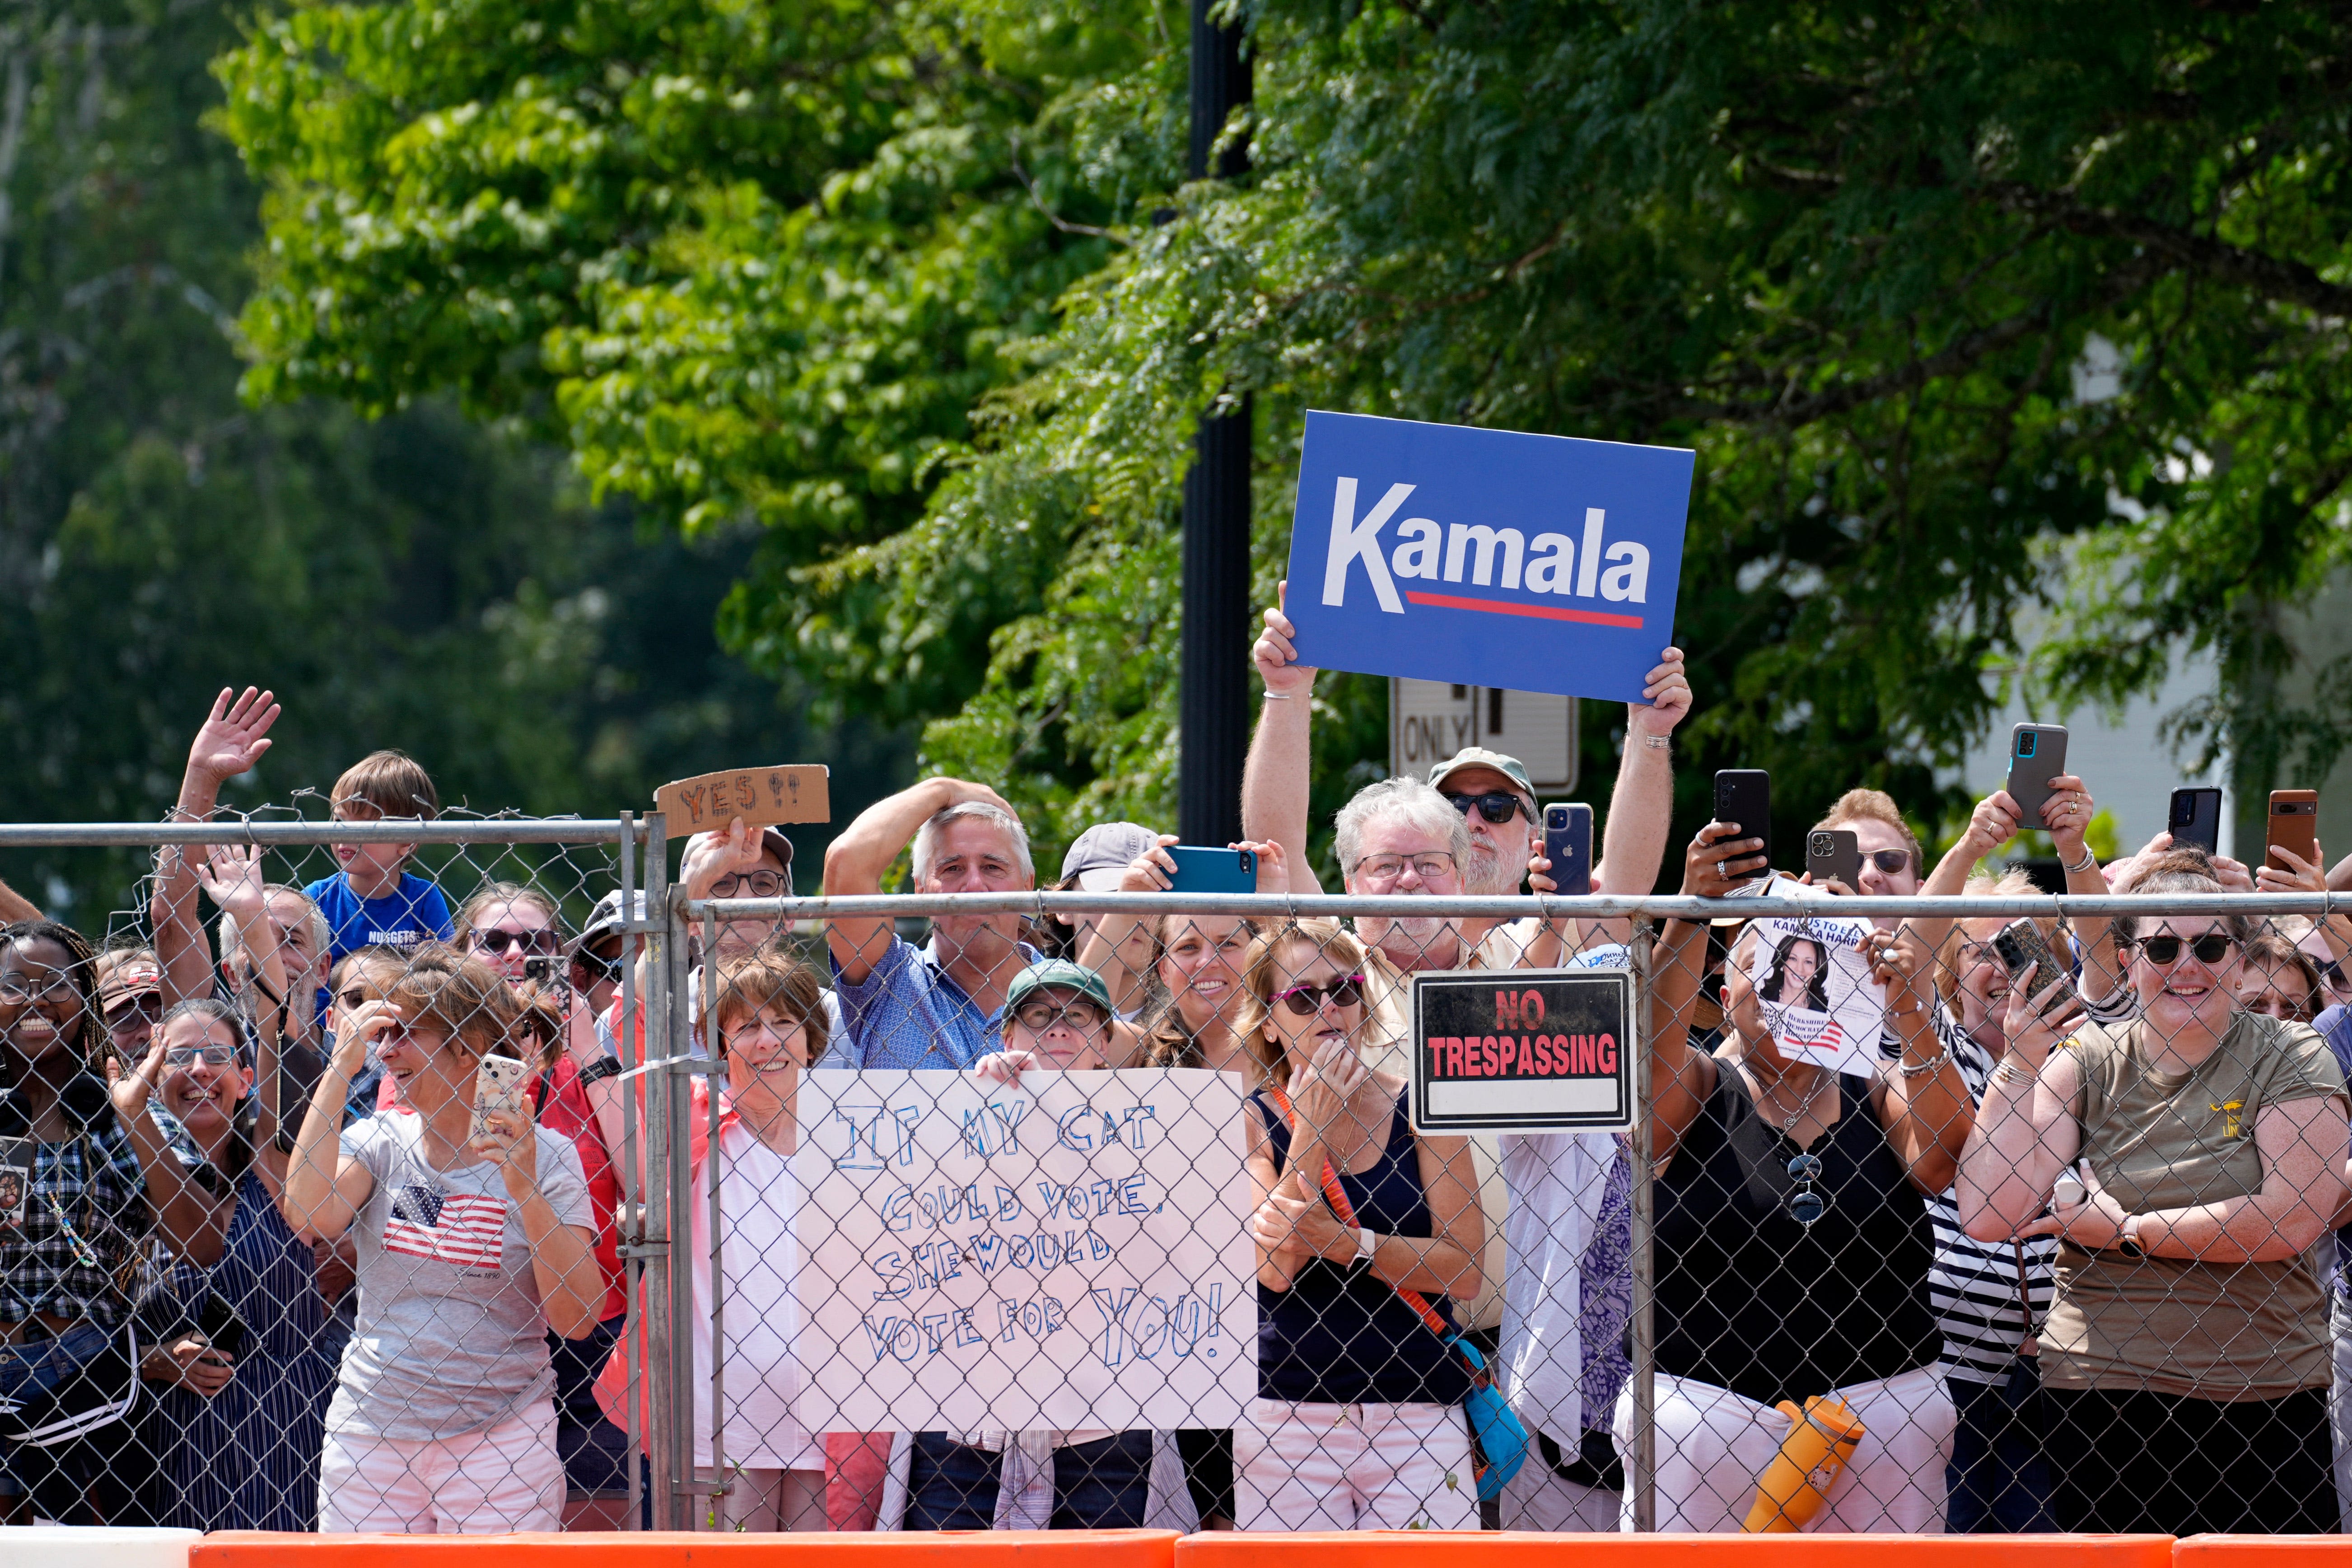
761	797
1276	655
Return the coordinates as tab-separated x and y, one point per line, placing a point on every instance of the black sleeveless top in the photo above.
1342	1335
1749	1299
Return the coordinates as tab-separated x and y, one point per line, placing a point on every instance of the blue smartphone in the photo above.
1568	845
1200	870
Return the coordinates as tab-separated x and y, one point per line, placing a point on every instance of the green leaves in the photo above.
890	282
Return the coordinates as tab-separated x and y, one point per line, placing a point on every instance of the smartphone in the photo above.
2028	959
16	1179
223	1329
2196	819
1200	870
2294	824
1568	845
2037	753
1834	853
498	1082
1744	795
545	968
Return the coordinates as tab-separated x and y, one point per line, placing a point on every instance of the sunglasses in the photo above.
211	1056
750	885
1892	862
2211	948
1039	1016
1307	1000
496	943
1496	805
596	965
1806	1205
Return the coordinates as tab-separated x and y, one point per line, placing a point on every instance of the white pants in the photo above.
1540	1498
502	1479
762	1500
2339	1407
1353	1466
1713	1445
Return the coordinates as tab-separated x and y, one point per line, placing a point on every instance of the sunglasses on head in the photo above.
496	943
1496	805
2211	948
1306	1000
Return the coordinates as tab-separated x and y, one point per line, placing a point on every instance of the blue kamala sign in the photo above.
1485	557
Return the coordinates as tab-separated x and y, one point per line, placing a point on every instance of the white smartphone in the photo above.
2068	1192
498	1084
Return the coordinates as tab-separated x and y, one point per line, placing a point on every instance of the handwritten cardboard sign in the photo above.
1068	1253
1521	1050
795	792
1485	557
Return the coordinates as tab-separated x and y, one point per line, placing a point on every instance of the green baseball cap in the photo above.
1058	975
1510	768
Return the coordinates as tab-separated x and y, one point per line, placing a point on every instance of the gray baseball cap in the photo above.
1510	768
1100	855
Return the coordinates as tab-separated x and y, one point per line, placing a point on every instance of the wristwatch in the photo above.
599	1070
1366	1244
2127	1242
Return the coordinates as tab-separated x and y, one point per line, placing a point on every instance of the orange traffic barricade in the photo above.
865	1549
1474	1549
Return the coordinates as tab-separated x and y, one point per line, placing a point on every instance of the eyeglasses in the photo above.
596	965
1892	862
1039	1016
1306	1000
1496	805
211	1056
1389	868
141	1006
750	885
496	943
2210	948
15	993
1806	1205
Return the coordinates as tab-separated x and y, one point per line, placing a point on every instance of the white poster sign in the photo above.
1068	1253
1814	984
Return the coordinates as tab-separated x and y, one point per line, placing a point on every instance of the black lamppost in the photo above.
1213	707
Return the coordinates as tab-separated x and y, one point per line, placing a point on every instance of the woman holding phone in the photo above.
2186	1361
472	1244
1792	1243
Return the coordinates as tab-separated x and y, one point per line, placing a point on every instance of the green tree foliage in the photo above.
1858	257
422	582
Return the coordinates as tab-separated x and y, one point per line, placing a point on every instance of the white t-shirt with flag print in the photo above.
450	1338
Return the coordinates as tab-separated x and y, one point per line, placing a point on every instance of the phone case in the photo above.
2294	822
1200	870
497	1082
1835	852
16	1179
1744	795
2196	819
2037	753
1568	845
2022	947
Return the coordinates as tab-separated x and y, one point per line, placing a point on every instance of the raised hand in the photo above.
131	1089
2029	1027
1273	869
507	1141
1151	871
234	736
2302	877
232	876
710	856
2066	813
1665	697
1994	823
1276	656
1705	863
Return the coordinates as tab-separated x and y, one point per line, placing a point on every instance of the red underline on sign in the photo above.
1538	612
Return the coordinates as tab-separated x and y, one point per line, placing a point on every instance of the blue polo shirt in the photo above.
907	1013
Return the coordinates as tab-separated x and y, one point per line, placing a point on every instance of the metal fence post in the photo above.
1641	1475
632	1225
660	1440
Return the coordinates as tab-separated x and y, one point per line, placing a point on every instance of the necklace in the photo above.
1822	1078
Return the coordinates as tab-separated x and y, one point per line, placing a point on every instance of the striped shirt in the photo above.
1972	1286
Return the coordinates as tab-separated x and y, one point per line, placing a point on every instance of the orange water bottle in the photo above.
1795	1487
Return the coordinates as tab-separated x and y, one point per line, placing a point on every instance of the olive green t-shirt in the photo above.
2159	1141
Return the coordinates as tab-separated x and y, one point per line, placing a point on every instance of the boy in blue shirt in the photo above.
373	902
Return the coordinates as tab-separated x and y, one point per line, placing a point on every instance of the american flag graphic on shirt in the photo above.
450	1227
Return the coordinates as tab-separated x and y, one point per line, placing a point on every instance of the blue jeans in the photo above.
70	1478
1998	1476
1102	1485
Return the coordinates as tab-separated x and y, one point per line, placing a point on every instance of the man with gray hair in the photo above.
942	1005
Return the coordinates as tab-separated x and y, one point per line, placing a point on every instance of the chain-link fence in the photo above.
1876	1213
